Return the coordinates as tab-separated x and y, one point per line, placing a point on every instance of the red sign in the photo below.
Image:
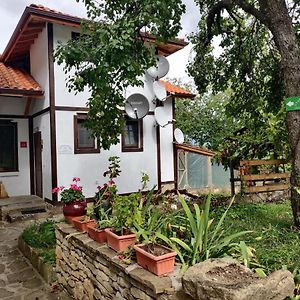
23	144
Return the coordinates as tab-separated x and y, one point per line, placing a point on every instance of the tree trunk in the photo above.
280	24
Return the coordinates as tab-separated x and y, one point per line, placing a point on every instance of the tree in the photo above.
109	57
235	136
260	60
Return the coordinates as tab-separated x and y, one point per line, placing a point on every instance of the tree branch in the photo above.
250	9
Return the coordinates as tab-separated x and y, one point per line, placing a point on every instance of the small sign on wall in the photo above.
23	144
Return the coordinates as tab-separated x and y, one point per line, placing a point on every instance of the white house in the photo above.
42	141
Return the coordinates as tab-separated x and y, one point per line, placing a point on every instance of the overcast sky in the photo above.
11	11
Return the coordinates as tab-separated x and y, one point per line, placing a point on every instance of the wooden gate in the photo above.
259	176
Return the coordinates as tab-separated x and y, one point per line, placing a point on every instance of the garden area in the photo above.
148	225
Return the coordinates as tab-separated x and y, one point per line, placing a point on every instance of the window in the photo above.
8	146
83	141
132	137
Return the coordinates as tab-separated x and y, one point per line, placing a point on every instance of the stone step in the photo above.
19	199
18	216
21	207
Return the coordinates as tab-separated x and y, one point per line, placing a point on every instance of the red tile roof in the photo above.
17	81
177	91
50	10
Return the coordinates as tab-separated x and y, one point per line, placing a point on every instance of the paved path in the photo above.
18	280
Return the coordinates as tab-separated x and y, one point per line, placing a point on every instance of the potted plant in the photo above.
121	236
81	222
73	199
96	230
152	256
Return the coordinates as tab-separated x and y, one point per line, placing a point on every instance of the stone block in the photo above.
138	294
218	279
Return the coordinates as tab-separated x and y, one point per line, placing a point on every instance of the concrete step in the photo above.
22	207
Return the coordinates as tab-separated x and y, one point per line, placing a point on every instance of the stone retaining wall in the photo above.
88	270
45	269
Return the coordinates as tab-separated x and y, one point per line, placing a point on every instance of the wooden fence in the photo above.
259	176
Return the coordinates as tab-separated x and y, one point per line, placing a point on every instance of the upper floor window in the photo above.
132	137
8	146
83	141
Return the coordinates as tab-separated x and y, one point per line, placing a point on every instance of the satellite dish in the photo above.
159	91
178	135
161	69
136	106
161	116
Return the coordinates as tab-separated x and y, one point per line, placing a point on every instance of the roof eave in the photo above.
20	92
28	14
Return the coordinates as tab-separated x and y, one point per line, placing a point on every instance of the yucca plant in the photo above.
202	239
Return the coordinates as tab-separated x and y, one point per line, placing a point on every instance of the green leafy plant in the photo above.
105	194
72	194
42	237
104	219
201	240
124	212
148	219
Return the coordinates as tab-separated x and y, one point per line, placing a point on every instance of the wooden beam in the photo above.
28	37
33	31
27	106
34	24
263	162
254	177
266	188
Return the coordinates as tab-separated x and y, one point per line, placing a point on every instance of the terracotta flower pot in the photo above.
157	265
119	242
80	224
98	235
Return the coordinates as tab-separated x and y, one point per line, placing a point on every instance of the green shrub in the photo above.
42	237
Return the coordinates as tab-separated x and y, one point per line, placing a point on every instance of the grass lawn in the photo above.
274	239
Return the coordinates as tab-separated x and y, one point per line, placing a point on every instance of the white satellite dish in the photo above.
161	69
159	90
178	135
161	116
136	106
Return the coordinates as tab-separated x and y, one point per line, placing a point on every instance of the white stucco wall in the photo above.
12	106
42	123
18	183
62	96
166	146
90	167
40	70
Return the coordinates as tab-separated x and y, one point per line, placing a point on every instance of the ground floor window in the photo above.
132	137
8	146
83	141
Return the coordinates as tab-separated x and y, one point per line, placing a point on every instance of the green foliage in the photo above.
42	237
104	219
201	239
114	170
276	243
110	54
124	212
212	126
106	194
247	65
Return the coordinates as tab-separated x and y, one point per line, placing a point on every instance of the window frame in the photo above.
140	147
82	150
15	138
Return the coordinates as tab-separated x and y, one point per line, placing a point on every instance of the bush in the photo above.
42	237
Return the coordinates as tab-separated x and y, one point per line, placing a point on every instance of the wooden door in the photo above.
38	171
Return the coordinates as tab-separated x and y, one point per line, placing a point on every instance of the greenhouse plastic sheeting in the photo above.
200	173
